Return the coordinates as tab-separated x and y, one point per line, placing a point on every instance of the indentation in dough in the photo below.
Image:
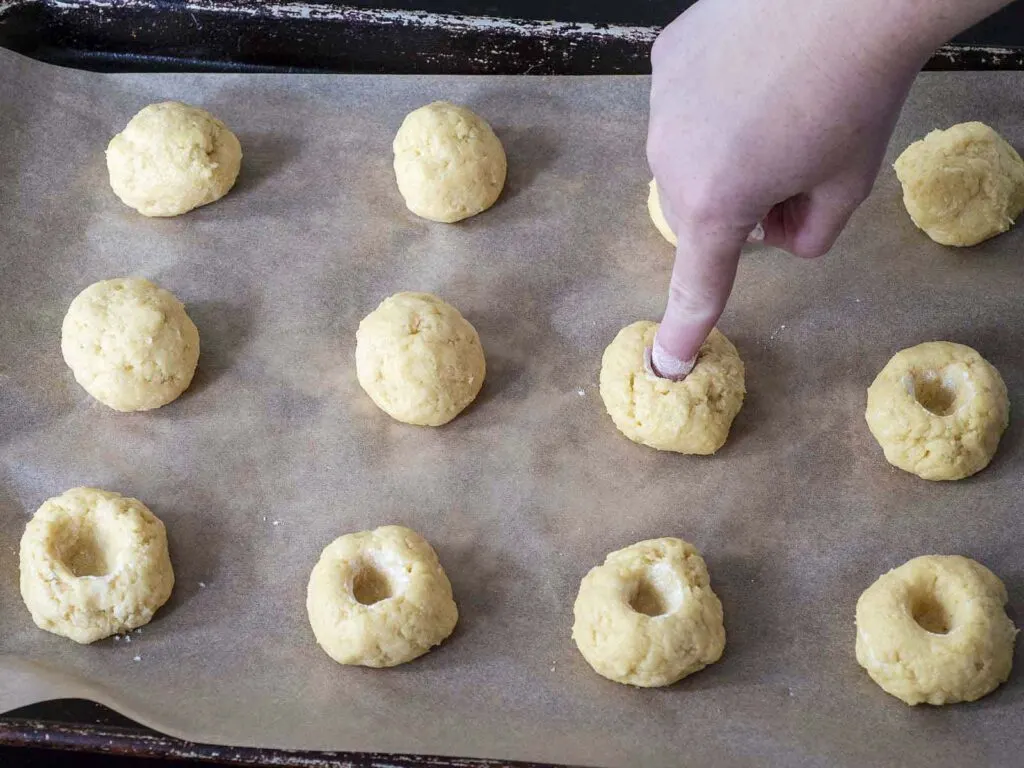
656	593
936	394
371	585
929	612
86	553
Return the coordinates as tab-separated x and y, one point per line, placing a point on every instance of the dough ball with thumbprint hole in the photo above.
171	158
689	416
934	630
647	616
93	564
419	359
938	410
130	344
448	163
380	598
962	185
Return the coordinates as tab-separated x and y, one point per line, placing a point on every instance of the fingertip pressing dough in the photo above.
380	598
647	616
962	185
419	359
94	564
934	630
938	410
658	215
171	158
130	344
688	416
448	162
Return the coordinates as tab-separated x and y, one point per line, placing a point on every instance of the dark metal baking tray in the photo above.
328	36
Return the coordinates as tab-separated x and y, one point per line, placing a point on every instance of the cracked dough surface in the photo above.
130	344
938	410
380	598
657	215
688	416
448	163
93	564
419	359
934	630
171	158
962	185
647	616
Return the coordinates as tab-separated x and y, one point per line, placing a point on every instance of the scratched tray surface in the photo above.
417	38
274	451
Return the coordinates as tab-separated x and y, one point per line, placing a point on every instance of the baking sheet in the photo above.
275	450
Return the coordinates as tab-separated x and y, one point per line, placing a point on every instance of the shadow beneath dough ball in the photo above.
224	329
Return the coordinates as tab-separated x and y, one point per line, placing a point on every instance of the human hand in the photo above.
773	111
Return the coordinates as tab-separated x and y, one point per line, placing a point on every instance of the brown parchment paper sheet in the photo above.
275	450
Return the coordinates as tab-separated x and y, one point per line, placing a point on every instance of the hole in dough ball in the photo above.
85	552
930	614
935	394
371	585
656	592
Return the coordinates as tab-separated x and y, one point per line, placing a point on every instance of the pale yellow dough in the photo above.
648	616
380	598
419	359
962	185
935	631
448	162
94	564
171	158
688	416
657	215
130	344
938	410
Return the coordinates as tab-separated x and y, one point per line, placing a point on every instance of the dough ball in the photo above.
962	185
448	162
171	158
94	564
418	359
935	631
658	216
647	616
938	410
130	344
380	598
688	416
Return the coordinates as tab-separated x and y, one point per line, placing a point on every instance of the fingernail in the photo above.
660	363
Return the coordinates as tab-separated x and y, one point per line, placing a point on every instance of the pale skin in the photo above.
775	111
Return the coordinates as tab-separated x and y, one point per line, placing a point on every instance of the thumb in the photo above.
807	225
702	278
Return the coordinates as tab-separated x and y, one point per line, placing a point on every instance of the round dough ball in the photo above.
130	344
938	410
448	162
94	564
962	185
934	630
419	359
380	598
658	216
688	416
171	158
647	616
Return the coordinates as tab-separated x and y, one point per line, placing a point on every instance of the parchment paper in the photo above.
275	450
